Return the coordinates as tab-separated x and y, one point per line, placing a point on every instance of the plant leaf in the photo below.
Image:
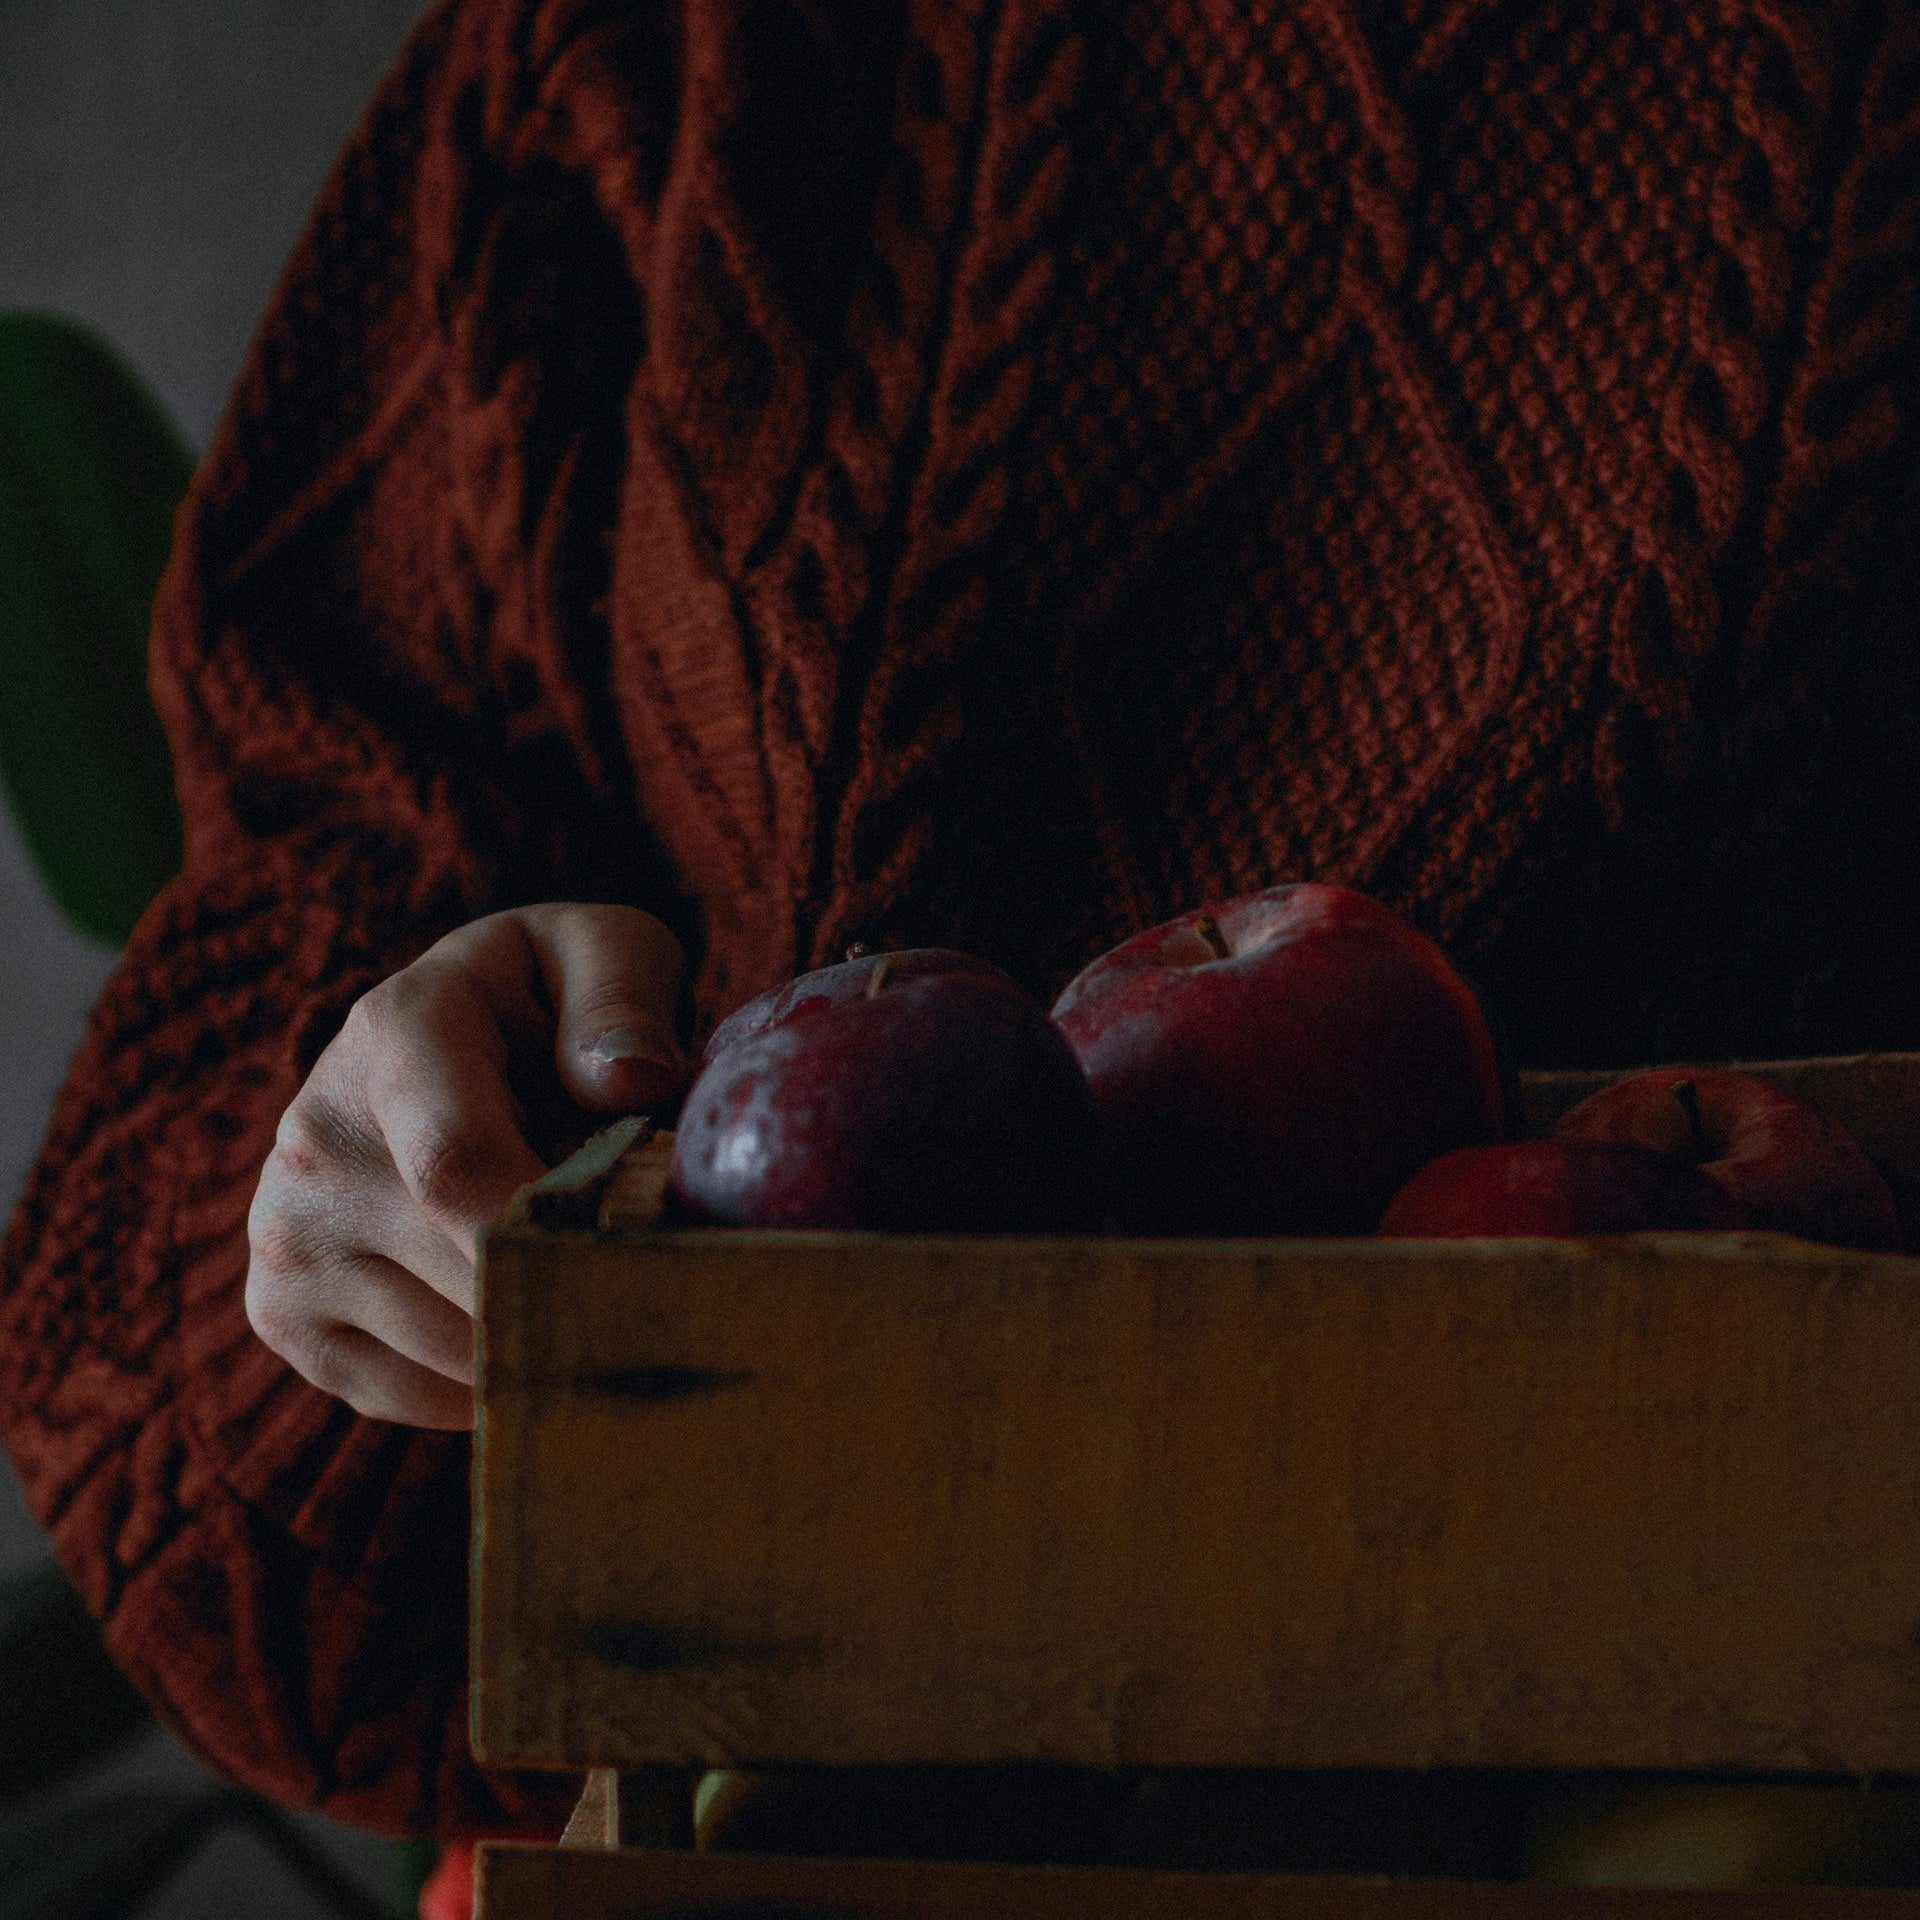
63	1703
91	471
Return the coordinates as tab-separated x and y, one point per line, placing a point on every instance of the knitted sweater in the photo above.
988	471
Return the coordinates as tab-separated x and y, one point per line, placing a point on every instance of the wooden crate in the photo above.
519	1883
842	1499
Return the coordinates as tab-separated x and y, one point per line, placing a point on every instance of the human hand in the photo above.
415	1129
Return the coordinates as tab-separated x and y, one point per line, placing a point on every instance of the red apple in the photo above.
1552	1187
1790	1167
849	979
936	1098
1279	1064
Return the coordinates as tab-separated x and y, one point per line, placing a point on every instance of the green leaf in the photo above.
63	1703
91	471
101	1858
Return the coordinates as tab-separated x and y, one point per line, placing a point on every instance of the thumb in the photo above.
615	975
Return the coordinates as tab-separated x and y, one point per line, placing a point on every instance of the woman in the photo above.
733	481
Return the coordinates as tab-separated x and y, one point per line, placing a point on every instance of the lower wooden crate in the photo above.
546	1883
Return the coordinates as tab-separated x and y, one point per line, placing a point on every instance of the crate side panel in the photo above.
1629	1504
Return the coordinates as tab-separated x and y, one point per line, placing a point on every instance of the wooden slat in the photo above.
633	1196
569	1196
1640	1503
527	1883
595	1819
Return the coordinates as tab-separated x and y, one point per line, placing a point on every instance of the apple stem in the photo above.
1689	1097
878	978
1208	930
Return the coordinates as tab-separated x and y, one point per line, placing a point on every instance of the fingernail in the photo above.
641	1045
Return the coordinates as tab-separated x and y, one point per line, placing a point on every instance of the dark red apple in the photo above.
813	993
935	1098
1554	1187
1279	1064
1790	1167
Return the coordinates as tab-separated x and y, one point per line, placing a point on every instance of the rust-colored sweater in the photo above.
994	471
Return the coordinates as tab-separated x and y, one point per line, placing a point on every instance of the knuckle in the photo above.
383	1014
296	1285
266	1308
329	1360
444	1169
279	1245
391	1019
318	1151
305	1142
284	1232
364	1017
276	1310
402	1039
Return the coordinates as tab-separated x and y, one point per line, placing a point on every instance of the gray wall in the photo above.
157	158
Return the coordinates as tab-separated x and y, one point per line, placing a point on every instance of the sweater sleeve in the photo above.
375	652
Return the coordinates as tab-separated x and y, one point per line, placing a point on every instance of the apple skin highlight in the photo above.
1280	1064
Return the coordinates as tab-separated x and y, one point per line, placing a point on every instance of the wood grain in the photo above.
526	1883
595	1819
1637	1503
634	1195
570	1195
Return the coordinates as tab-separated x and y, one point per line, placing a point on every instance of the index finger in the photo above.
435	1084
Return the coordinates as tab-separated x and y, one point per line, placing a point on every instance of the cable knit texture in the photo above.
988	471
